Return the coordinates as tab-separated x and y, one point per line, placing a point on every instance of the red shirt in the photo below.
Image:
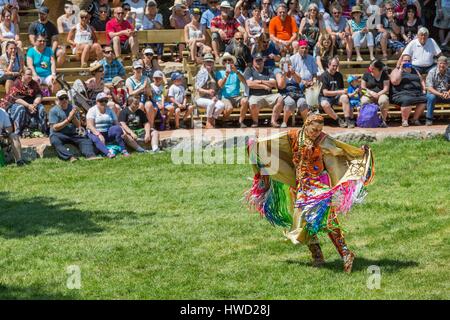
114	26
230	26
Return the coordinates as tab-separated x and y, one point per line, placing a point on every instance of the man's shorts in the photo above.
290	104
215	36
333	101
232	102
268	100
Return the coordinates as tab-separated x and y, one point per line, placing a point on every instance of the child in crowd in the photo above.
354	91
177	96
119	94
164	109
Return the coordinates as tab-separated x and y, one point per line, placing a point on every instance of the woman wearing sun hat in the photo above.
361	35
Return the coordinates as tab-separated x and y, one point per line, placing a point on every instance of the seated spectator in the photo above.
423	50
41	60
11	65
210	14
195	37
376	84
333	93
229	81
438	86
119	94
336	27
128	15
177	97
323	51
223	28
112	66
44	27
408	90
24	105
138	86
442	21
198	4
150	62
304	64
136	127
295	11
179	18
269	51
65	128
311	26
389	32
13	7
104	128
361	35
68	20
164	109
411	24
242	11
267	13
254	27
261	84
84	41
291	90
96	6
95	84
283	30
8	30
240	51
121	35
206	91
6	132
153	21
99	22
354	91
137	9
346	9
372	7
401	9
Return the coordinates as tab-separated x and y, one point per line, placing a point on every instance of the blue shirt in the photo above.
306	67
57	115
355	100
207	16
232	87
270	63
111	70
41	61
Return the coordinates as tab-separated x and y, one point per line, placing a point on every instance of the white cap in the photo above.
61	93
101	96
149	51
225	4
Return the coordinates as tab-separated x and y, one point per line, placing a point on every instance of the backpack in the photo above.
368	116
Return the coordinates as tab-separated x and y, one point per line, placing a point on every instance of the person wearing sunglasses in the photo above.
312	26
103	127
84	42
65	128
389	32
99	22
113	67
68	20
408	90
121	35
97	6
336	27
195	37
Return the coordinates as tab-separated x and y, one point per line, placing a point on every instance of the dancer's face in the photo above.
313	130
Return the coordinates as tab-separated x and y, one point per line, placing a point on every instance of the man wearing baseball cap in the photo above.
261	84
65	128
223	28
45	27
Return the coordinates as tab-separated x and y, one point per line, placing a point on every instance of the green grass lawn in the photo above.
143	228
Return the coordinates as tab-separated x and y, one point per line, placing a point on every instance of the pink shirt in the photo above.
114	26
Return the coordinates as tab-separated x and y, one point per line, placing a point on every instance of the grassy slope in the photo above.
145	228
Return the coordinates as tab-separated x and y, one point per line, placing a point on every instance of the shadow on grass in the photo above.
361	264
31	293
46	215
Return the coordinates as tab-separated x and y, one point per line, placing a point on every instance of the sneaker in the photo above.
242	125
284	125
255	125
351	123
348	262
125	153
275	125
383	124
73	159
111	155
417	123
20	163
405	123
342	123
429	122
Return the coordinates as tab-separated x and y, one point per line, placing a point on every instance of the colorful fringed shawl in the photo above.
275	191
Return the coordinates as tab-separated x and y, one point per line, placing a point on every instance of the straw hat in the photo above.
356	9
226	56
94	66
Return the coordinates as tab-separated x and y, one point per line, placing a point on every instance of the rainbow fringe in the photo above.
274	203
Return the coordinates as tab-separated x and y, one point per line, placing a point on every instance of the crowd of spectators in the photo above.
252	54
